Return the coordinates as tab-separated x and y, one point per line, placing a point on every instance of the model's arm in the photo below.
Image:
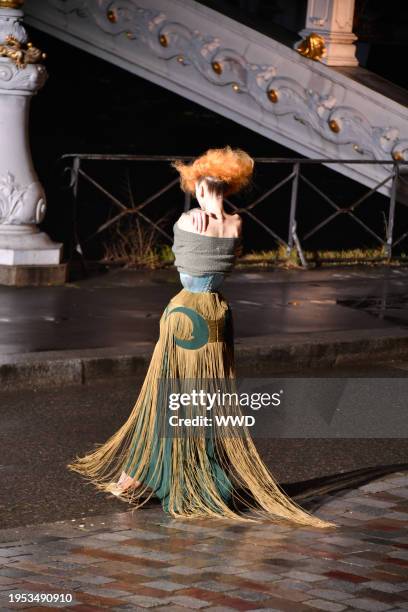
239	247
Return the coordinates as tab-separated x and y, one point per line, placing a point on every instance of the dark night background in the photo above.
89	105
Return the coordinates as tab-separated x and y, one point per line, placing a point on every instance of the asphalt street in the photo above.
42	429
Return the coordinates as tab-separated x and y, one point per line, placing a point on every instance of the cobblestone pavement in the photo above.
137	560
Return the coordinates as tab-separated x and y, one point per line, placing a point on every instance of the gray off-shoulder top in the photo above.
198	254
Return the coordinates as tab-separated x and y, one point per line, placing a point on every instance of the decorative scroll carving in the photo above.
222	66
30	79
20	205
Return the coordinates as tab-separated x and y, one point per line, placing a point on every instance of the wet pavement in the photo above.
59	535
121	308
42	429
137	560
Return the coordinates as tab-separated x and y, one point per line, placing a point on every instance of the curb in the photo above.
261	355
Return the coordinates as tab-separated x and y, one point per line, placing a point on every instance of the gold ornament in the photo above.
334	126
11	4
236	87
163	40
312	47
216	66
398	155
112	16
273	95
14	50
180	59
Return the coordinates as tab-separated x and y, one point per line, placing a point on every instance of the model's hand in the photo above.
199	219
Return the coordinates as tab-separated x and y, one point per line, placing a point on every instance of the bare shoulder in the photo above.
192	211
236	222
235	218
185	221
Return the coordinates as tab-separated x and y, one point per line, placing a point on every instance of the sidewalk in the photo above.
284	320
146	560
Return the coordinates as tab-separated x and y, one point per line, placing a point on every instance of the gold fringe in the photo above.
193	490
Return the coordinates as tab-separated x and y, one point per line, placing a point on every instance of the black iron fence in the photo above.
91	170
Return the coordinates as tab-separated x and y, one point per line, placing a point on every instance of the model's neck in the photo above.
215	207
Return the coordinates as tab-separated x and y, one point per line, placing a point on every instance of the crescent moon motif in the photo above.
200	332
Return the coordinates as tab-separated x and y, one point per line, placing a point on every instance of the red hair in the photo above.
233	167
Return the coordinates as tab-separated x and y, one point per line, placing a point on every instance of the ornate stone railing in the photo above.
239	73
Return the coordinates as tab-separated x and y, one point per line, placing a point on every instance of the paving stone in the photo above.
387	587
330	594
11	572
165	585
213	585
6	580
92	590
249	595
378	485
189	602
339	585
400	492
91	579
43	579
349	543
170	608
305	576
347	576
391	598
295	584
146	602
148	535
78	559
183	570
115	536
290	556
156	555
322	604
135	551
136	561
367	604
295	595
275	603
260	576
400	554
234	570
149	572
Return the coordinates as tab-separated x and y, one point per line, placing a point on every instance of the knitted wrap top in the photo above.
198	254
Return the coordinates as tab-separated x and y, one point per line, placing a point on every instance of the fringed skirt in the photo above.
200	471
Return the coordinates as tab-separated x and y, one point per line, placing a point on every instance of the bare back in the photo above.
230	226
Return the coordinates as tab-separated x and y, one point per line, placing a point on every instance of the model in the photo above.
195	471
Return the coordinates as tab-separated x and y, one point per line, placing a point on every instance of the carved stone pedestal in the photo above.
333	21
22	198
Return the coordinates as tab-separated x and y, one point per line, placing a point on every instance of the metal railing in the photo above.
75	165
